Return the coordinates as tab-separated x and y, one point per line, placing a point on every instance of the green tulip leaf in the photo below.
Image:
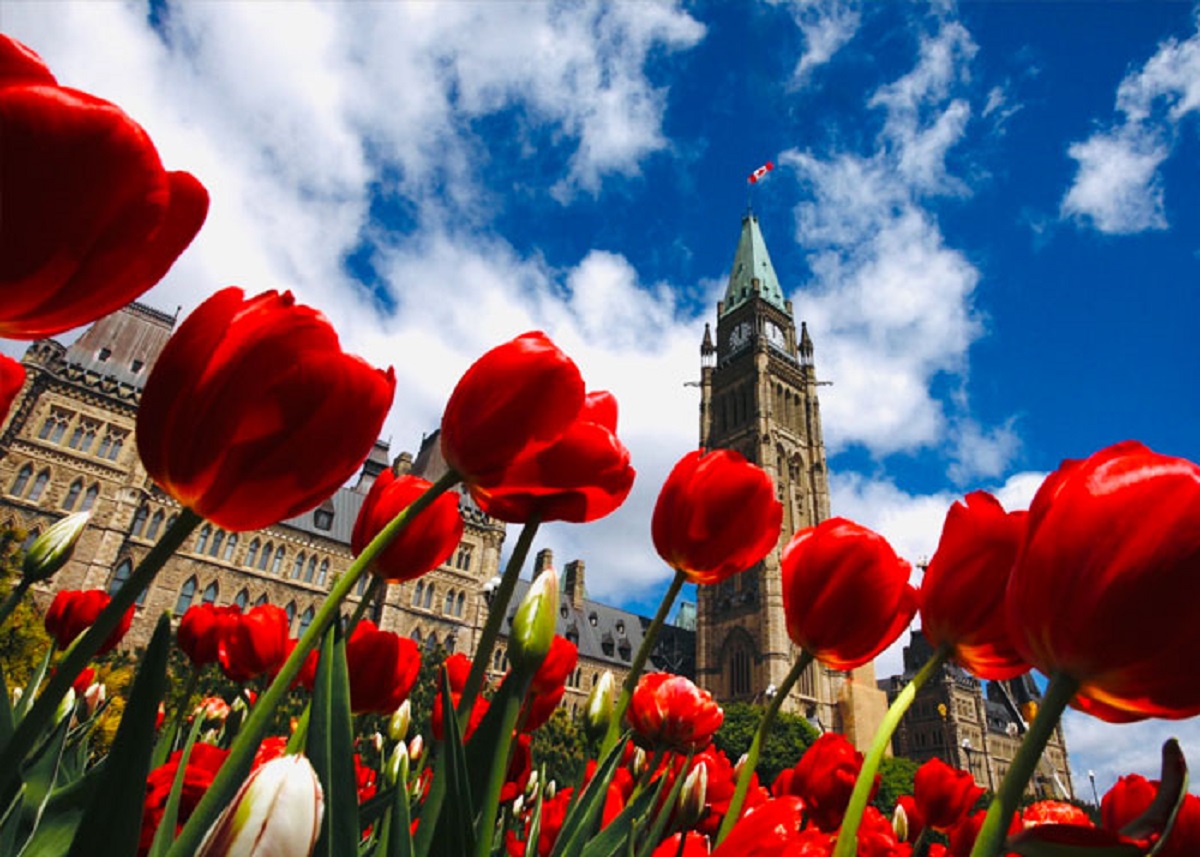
616	834
455	828
7	723
114	815
60	818
331	748
490	731
584	813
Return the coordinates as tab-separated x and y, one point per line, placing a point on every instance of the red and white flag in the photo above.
761	172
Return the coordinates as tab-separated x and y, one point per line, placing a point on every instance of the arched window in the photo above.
451	642
210	593
202	539
170	521
22	480
311	571
73	495
218	538
242	599
278	562
230	544
497	657
290	610
428	597
418	593
416	636
252	553
361	586
139	518
260	600
266	557
89	497
323	574
458	606
119	576
39	485
305	620
448	608
186	594
298	566
155	523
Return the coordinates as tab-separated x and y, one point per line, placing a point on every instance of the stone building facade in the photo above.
759	397
955	719
68	445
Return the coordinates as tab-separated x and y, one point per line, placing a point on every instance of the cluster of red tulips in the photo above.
253	413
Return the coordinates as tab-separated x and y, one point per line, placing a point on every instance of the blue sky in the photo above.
983	211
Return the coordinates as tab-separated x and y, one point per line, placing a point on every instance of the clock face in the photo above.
775	335
739	336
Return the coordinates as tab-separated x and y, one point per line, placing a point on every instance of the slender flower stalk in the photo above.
85	647
743	784
1059	693
241	753
639	661
13	599
848	835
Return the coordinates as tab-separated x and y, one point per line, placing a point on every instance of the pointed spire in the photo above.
752	273
708	350
806	346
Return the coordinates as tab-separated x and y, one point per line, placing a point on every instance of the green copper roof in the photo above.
752	263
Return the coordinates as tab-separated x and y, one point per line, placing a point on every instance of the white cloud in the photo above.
1112	750
827	25
1118	185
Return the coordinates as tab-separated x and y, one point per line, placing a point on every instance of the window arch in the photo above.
428	602
260	600
497	658
119	576
290	610
361	587
305	620
266	557
242	599
156	522
458	606
323	574
230	545
218	538
210	593
448	607
278	563
311	571
89	497
72	495
202	539
416	636
252	553
186	593
22	480
139	518
39	485
298	566
418	593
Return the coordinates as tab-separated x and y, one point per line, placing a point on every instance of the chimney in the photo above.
545	559
573	583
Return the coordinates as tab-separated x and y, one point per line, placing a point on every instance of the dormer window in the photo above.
104	354
137	366
323	519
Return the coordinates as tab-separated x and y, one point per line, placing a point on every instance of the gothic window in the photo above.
242	599
210	593
305	620
451	642
463	559
298	566
260	600
266	557
39	485
84	435
22	480
416	636
459	604
278	562
186	594
218	538
428	602
311	571
290	610
252	553
139	520
55	425
323	574
170	523
230	544
120	576
202	539
741	664
448	608
361	587
418	593
117	439
73	495
497	657
89	497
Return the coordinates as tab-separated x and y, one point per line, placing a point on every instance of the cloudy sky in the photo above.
980	210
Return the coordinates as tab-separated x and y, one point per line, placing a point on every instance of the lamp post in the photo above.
1095	795
968	750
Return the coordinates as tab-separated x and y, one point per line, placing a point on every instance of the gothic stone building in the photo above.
759	397
68	445
953	719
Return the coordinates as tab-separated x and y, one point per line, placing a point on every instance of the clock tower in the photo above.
759	397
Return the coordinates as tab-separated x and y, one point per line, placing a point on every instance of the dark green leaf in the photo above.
6	713
1069	840
112	822
455	831
61	817
39	774
667	808
399	843
584	813
617	832
331	749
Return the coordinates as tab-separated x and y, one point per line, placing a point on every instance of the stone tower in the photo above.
759	397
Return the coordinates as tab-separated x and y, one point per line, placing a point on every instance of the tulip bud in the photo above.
377	743
66	706
598	710
741	763
415	746
551	790
94	697
531	786
693	796
276	812
397	766
16	694
900	823
518	804
638	764
51	550
399	722
533	625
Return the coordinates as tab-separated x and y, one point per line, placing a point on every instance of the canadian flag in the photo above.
761	172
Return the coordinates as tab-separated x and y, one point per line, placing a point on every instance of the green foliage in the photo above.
23	640
895	779
561	747
789	737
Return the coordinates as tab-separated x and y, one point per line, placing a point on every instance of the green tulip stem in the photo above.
490	803
760	736
241	753
639	662
1059	693
847	841
80	652
496	611
13	599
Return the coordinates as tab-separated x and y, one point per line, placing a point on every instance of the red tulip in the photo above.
254	414
83	681
943	795
824	778
383	668
962	593
520	395
458	668
846	595
771	828
716	516
1054	812
520	769
73	611
91	219
722	780
689	844
1106	585
667	710
199	631
12	379
1131	796
557	667
419	548
253	643
202	766
877	837
914	821
963	835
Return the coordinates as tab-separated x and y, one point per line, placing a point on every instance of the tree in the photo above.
790	735
23	639
895	779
